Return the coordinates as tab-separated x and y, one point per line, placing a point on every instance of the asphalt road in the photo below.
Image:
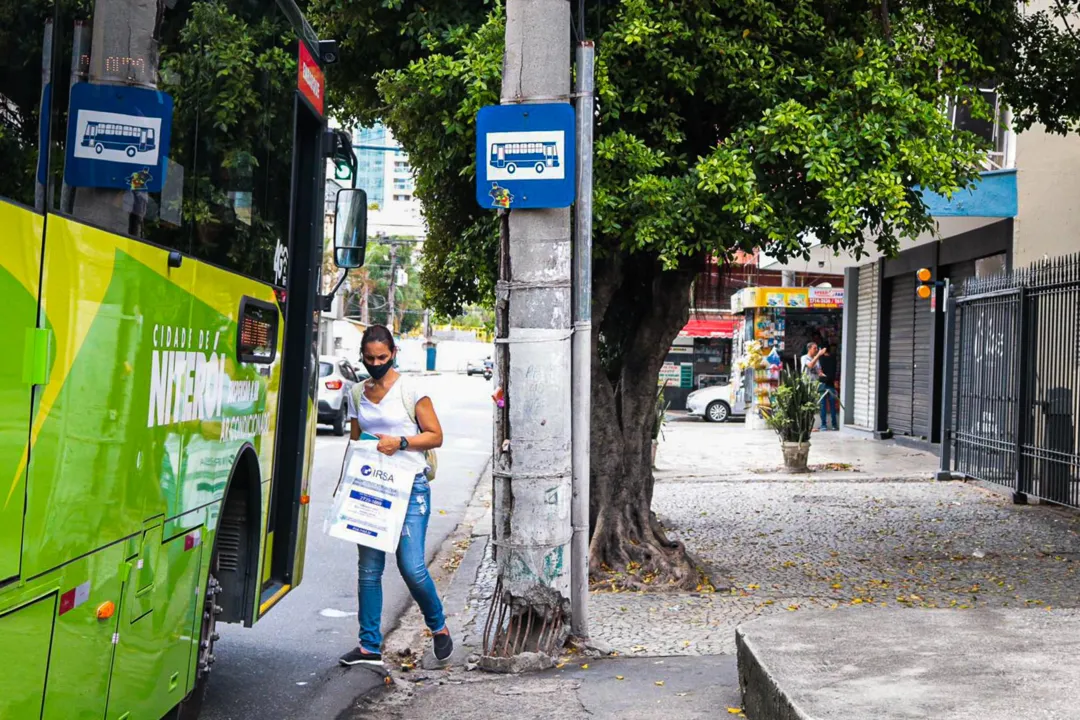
286	666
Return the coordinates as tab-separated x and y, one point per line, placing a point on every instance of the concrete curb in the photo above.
822	477
762	698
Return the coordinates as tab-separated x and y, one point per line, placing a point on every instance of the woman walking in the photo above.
389	407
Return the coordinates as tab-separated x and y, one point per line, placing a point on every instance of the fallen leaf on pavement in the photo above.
585	666
735	711
659	683
619	677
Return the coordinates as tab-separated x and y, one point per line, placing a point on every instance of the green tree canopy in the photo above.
721	125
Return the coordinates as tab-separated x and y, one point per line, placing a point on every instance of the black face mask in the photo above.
377	372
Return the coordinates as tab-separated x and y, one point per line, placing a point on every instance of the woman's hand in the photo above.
388	445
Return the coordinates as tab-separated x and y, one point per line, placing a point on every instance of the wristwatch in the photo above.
404	443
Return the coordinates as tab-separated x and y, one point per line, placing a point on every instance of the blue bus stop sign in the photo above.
118	137
525	156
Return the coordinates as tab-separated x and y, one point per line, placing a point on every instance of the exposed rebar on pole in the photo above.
532	464
581	380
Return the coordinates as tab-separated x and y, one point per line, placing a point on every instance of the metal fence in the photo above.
1015	401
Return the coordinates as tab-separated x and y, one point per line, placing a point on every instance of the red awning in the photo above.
709	328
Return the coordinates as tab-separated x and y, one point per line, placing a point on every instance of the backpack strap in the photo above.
355	395
408	399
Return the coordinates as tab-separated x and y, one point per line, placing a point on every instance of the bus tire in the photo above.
99	148
511	168
131	152
539	168
191	706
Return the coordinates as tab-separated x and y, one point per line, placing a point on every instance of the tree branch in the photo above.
1063	13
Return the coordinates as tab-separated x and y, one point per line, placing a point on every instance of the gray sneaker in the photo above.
358	656
444	646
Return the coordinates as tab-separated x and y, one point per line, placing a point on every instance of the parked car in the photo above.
715	404
337	377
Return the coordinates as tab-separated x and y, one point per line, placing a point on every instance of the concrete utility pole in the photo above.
532	453
365	311
391	306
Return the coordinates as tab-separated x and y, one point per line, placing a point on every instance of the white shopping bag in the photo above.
372	497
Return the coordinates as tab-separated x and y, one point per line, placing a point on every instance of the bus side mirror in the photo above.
350	228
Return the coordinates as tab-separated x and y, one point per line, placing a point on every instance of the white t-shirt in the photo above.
389	417
811	370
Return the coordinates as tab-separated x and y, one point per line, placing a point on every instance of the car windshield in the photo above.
325	369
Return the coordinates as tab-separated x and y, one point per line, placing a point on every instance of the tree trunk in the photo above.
641	311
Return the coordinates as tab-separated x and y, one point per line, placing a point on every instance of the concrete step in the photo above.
891	664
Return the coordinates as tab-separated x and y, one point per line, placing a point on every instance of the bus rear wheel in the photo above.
192	705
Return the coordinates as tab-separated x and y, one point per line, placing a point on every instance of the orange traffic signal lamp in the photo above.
925	288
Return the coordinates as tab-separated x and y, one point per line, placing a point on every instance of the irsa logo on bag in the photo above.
368	471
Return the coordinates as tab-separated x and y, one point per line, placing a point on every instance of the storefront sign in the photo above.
790	298
821	297
677	375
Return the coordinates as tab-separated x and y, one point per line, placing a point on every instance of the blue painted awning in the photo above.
994	196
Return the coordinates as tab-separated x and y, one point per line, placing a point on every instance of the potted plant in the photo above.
791	414
659	420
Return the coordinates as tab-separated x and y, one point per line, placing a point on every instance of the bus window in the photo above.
228	183
26	34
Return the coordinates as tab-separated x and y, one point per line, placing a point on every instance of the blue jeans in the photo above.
829	403
413	567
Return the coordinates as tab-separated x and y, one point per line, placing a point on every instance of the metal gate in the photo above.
1016	393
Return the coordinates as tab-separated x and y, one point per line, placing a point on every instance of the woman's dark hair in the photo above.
379	334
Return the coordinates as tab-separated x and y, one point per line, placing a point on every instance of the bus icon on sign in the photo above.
117	138
131	139
537	156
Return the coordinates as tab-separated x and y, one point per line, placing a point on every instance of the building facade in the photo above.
384	172
1023	209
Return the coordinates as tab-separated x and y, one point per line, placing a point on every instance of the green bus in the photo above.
158	342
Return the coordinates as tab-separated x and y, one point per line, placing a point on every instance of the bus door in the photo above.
22	202
296	405
20	368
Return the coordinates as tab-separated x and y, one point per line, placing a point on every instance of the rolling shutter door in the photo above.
922	368
866	330
901	359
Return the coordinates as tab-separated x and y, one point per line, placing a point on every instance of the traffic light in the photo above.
926	286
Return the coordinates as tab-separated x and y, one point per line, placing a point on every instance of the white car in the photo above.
337	377
715	404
